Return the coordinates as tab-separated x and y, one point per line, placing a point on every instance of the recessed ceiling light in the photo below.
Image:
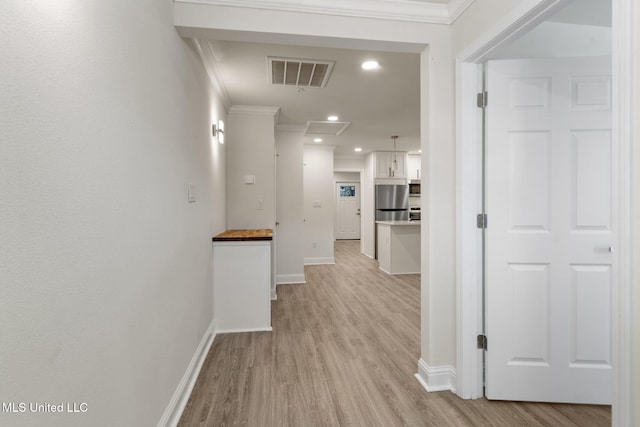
332	118
357	149
419	151
370	65
317	140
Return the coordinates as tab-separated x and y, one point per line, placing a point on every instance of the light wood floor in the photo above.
343	352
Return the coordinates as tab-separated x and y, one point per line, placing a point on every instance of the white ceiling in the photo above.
585	12
580	28
378	103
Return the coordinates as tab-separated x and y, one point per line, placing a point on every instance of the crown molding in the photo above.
457	8
396	10
210	55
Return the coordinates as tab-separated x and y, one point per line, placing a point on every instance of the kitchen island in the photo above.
242	276
399	246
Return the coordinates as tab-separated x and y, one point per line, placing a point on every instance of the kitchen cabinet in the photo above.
384	164
399	246
413	166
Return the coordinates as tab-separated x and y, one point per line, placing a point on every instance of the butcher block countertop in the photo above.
243	235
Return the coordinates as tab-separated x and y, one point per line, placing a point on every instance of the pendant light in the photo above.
394	166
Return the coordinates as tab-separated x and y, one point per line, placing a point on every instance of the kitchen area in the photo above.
397	212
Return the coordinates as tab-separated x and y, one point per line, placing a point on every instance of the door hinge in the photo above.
482	99
482	342
481	221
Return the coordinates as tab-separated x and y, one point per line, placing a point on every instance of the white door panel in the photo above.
548	198
347	210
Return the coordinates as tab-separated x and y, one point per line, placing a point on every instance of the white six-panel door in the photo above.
347	210
548	260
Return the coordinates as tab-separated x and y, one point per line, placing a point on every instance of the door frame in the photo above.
469	196
367	211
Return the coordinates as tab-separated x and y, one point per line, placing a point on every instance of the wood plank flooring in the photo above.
343	352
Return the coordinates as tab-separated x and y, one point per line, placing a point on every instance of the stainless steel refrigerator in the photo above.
392	202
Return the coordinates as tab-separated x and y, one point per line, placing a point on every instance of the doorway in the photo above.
469	308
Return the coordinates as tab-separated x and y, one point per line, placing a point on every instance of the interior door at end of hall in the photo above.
549	207
347	210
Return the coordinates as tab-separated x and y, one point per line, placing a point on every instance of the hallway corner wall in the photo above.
318	205
106	268
289	205
635	309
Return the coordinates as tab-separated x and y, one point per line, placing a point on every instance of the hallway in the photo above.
343	351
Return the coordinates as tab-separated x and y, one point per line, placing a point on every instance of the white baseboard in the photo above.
319	261
394	274
289	279
436	378
235	331
180	397
383	270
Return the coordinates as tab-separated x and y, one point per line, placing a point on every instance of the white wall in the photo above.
477	19
250	145
105	268
289	205
367	208
349	165
636	221
300	28
438	210
318	205
558	40
346	176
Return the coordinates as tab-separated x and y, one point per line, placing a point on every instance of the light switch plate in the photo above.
249	179
317	203
192	193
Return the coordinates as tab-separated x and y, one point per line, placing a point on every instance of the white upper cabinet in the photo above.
391	164
413	166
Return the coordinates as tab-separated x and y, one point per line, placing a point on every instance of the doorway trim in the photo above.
469	196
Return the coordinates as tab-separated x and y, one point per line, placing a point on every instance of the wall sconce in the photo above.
218	131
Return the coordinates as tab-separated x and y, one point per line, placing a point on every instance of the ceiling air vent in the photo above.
299	72
326	128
